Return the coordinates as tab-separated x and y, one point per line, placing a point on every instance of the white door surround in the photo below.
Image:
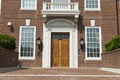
60	25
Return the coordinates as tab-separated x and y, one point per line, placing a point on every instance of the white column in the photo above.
45	54
71	50
74	48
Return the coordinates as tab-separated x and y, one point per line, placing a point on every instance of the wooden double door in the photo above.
60	50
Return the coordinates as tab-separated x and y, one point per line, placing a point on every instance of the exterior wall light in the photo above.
82	43
9	24
39	43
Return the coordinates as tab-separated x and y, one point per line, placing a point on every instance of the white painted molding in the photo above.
50	8
27	22
92	22
58	0
60	25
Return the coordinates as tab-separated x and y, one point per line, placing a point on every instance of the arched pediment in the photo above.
60	23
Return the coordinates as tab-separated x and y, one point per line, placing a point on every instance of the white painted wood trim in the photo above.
73	55
100	43
45	60
53	1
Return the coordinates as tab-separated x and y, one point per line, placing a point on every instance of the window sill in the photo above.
28	9
26	58
93	59
92	10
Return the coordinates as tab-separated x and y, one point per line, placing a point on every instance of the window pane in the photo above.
91	4
27	42
28	4
93	42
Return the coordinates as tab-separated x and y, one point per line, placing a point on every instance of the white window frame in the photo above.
53	1
27	58
93	58
92	9
35	8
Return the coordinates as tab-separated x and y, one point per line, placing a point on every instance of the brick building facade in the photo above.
60	25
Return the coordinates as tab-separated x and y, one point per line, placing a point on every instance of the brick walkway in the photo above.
59	74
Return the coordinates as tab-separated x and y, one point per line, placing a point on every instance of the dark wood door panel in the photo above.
65	53
55	53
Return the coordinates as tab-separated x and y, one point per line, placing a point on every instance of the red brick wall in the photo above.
11	12
88	63
8	58
33	63
105	18
111	59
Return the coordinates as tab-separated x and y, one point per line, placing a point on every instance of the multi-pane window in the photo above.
92	4
93	43
27	42
29	4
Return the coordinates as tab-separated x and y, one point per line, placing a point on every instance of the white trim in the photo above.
92	22
92	9
93	58
27	21
73	45
53	1
27	58
35	8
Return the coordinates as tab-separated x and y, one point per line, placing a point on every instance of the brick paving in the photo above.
59	74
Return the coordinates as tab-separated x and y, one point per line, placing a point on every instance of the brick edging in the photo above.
113	51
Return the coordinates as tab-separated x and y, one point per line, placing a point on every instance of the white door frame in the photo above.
60	25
